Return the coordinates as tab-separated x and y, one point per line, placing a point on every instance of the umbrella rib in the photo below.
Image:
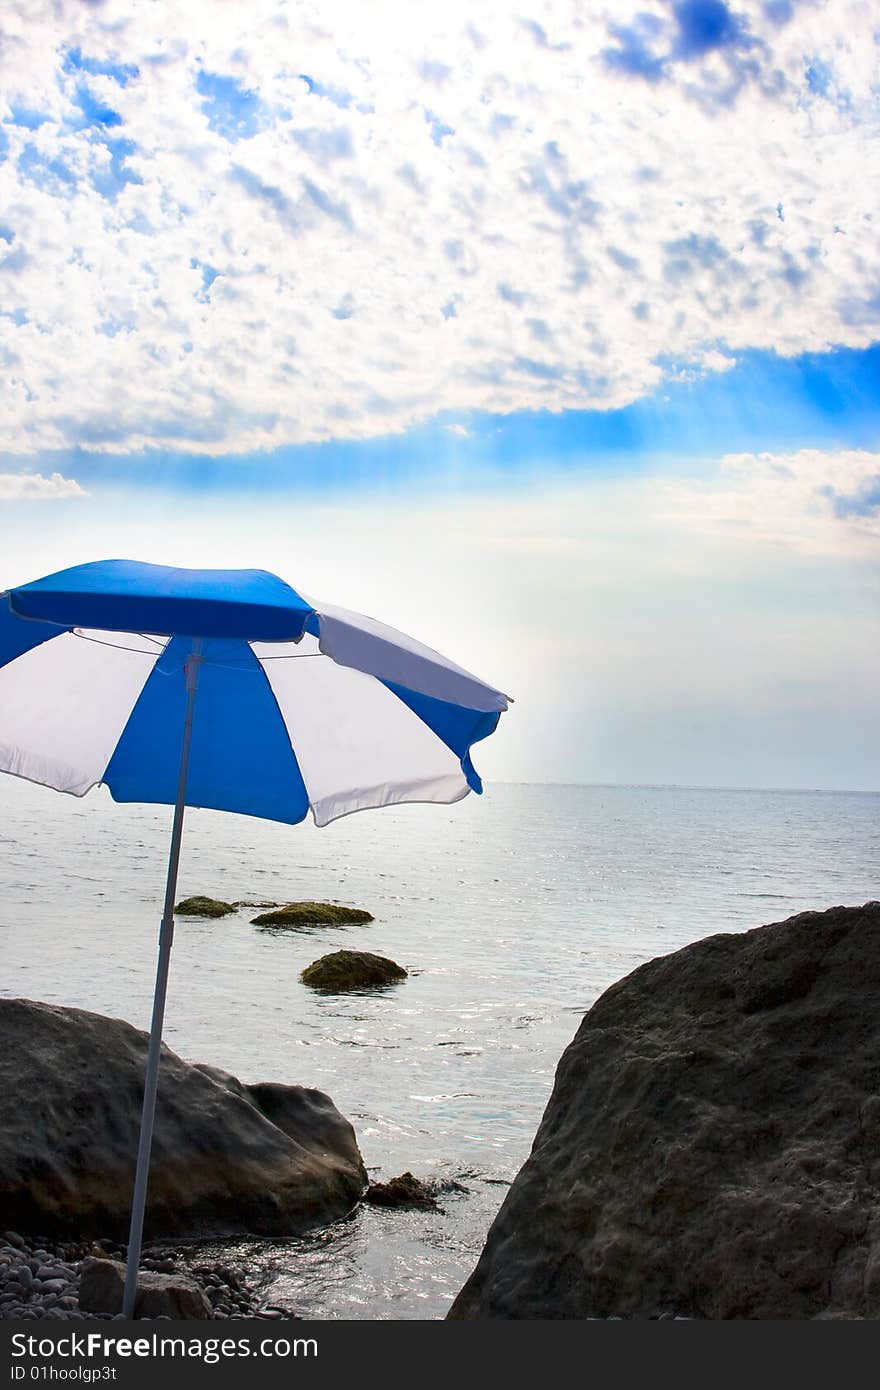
77	632
163	646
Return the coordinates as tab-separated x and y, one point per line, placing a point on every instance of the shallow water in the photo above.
512	912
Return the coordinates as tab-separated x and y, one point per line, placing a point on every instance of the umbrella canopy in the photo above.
301	706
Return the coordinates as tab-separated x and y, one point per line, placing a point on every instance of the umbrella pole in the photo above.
166	936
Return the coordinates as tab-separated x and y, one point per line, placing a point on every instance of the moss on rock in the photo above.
204	907
405	1191
312	914
344	970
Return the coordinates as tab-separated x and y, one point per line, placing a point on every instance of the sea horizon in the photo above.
692	787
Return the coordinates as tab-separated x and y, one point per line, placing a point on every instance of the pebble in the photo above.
54	1286
39	1279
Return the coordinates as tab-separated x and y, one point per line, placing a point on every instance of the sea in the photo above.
512	912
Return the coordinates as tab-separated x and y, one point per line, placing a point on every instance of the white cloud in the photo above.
423	212
812	501
35	487
638	645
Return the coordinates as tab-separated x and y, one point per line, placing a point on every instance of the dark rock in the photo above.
344	970
404	1191
312	915
712	1144
227	1158
203	907
102	1283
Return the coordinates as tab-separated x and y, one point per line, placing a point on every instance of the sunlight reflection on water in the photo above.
512	912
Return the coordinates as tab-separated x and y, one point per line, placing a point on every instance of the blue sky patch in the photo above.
337	95
233	111
51	175
209	275
699	27
76	61
439	129
764	403
110	180
15	261
704	25
818	76
634	56
95	112
779	11
25	117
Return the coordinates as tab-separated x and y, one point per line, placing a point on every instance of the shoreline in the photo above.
40	1278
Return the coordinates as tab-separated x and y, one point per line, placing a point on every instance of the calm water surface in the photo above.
512	912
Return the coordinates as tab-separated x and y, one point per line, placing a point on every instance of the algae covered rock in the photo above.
203	907
403	1191
344	970
312	915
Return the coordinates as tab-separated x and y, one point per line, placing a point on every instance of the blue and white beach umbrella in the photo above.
224	689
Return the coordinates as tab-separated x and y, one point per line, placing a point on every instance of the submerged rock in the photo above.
712	1144
312	914
345	970
227	1158
203	907
404	1191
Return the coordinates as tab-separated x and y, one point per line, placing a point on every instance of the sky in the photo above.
546	332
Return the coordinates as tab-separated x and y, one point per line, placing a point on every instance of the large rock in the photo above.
712	1144
102	1284
310	914
227	1158
403	1191
352	970
201	906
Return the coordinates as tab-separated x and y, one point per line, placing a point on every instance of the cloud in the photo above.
863	501
812	502
34	487
417	221
639	644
